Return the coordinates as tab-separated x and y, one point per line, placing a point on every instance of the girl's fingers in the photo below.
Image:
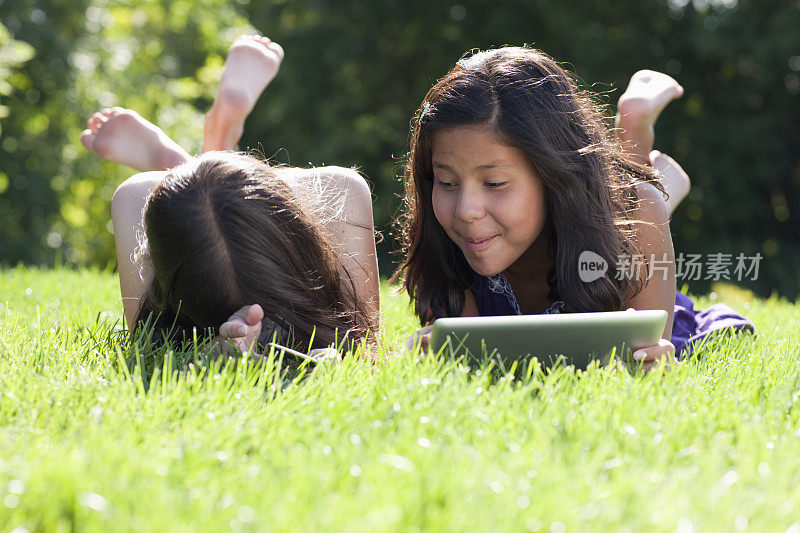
254	315
240	323
424	341
664	348
233	328
668	362
420	337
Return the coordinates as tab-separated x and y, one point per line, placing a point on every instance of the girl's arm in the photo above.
655	242
343	203
126	212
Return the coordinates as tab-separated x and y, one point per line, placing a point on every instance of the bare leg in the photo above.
647	95
674	179
123	136
251	64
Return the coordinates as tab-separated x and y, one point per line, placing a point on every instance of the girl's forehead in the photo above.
475	145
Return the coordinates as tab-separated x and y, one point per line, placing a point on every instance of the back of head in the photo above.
532	104
225	231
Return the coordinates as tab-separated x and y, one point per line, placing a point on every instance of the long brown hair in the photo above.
225	231
534	105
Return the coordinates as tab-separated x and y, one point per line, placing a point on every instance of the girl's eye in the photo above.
445	184
495	184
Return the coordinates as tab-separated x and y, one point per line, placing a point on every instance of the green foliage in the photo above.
161	58
409	444
355	72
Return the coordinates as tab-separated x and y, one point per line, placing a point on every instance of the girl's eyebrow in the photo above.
486	166
493	164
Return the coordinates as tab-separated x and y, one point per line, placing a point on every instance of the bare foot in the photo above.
647	95
251	64
123	136
675	181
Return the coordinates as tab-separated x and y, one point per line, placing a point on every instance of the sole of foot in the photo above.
639	107
122	136
252	63
647	95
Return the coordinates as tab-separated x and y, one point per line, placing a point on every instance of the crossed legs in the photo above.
123	136
647	95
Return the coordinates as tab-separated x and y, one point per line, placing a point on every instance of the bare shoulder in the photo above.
136	189
333	192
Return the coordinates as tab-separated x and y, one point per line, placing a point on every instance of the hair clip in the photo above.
424	111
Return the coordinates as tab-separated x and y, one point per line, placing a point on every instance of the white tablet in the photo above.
572	338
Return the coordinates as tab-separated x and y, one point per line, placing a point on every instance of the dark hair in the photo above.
225	231
531	103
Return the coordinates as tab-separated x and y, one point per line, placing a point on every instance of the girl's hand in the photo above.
420	338
241	331
647	358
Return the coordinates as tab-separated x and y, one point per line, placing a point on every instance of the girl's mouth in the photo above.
479	244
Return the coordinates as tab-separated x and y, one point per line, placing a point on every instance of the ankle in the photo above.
170	158
231	105
637	138
222	128
633	109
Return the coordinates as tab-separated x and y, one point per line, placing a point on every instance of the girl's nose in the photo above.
470	206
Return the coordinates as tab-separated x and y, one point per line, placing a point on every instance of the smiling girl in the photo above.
513	173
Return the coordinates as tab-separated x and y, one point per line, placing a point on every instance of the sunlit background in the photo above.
353	76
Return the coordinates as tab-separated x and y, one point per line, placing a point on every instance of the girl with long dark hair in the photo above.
513	175
226	243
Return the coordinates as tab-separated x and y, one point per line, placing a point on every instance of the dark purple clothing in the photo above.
494	297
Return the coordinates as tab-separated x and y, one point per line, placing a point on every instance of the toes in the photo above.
96	121
87	139
276	49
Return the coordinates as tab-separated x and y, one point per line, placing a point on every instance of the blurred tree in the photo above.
160	57
356	71
353	76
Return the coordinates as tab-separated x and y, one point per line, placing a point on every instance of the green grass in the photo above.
406	445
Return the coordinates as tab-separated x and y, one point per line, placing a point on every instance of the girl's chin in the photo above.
484	270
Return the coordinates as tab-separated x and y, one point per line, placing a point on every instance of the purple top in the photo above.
494	297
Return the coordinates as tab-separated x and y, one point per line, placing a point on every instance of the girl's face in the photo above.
487	197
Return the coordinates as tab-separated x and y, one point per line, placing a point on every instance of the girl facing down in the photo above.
513	174
226	234
226	243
